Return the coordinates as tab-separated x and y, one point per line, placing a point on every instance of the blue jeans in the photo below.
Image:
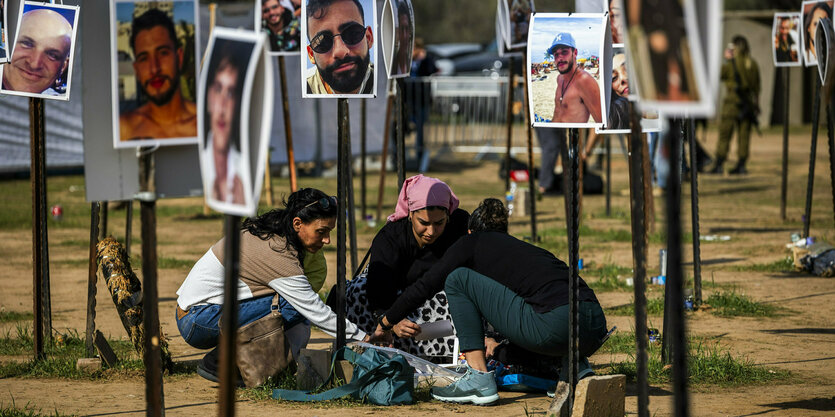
200	327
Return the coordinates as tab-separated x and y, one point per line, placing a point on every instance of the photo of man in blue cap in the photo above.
577	95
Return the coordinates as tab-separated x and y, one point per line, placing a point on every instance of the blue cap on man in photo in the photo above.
562	39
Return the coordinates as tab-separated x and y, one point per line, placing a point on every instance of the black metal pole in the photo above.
398	134
573	258
229	317
92	280
153	359
608	144
352	215
363	139
510	82
384	154
810	185
531	181
128	227
103	219
831	143
639	261
341	188
40	254
694	210
784	184
675	301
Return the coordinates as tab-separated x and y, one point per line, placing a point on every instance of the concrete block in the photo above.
522	203
88	365
314	366
600	396
344	370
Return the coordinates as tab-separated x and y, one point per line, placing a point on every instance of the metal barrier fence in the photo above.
463	112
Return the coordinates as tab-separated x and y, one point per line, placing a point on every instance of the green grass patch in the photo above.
13	316
607	277
28	410
733	304
655	307
781	265
624	342
708	364
62	352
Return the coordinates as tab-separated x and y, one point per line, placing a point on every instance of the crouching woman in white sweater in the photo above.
280	253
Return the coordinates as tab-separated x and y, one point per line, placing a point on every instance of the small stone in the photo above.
600	396
88	365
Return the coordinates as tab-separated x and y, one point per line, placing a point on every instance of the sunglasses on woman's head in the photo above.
351	35
325	202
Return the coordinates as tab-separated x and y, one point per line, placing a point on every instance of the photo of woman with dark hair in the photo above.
813	11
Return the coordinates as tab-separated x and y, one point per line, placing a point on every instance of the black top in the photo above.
530	271
397	261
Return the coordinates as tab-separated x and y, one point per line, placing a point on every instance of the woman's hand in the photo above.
380	337
490	346
406	328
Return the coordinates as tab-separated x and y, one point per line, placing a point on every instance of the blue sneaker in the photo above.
474	387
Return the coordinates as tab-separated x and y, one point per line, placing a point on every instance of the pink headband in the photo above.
419	192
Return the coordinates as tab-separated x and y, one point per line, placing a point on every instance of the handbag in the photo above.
263	350
377	379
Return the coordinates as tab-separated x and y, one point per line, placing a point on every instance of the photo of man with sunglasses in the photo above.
339	48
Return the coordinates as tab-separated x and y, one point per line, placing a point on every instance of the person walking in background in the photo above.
740	108
418	97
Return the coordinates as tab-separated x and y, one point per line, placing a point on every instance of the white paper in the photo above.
435	330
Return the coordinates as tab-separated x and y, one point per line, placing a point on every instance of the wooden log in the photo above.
126	291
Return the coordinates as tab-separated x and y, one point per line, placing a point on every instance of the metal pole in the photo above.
810	185
510	82
341	188
103	220
608	144
268	181
288	130
573	258
40	254
675	301
229	321
384	156
363	140
531	181
153	360
832	152
398	134
694	218
784	184
92	280
128	227
639	260
351	208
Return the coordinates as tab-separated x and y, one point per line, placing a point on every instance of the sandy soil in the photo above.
744	208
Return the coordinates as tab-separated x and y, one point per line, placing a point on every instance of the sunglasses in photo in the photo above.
351	35
325	202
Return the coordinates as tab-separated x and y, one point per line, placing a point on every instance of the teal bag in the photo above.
377	379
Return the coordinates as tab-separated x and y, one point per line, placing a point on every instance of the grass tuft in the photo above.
13	316
782	265
708	364
655	307
608	277
733	304
27	411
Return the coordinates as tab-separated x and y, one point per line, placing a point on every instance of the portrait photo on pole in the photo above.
618	114
786	34
397	37
825	42
566	80
671	75
154	56
810	13
41	55
224	96
281	20
518	14
4	33
339	38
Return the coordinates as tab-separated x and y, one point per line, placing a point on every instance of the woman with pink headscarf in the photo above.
425	223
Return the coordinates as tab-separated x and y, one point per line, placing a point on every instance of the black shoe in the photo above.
704	163
208	368
717	169
739	170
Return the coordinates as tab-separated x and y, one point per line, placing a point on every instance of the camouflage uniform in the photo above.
732	108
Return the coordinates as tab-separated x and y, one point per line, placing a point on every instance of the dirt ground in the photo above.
745	208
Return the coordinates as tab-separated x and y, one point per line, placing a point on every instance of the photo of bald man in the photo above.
40	64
